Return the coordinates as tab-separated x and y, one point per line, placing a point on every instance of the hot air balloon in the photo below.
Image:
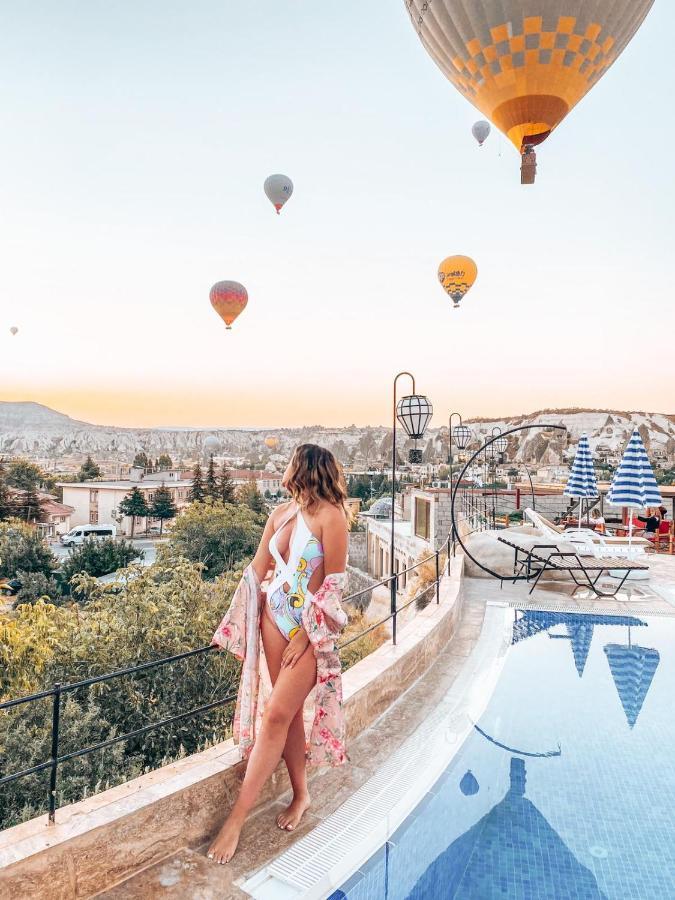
480	130
271	442
525	63
228	298
13	330
211	445
456	275
278	189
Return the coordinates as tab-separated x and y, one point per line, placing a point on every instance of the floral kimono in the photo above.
323	619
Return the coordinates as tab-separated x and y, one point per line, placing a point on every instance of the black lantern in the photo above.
414	412
501	444
461	435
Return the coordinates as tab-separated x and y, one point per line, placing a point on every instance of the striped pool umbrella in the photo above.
634	484
633	670
581	483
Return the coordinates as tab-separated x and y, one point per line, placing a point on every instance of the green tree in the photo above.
99	557
21	549
164	462
89	470
24	475
166	609
197	491
141	460
27	505
134	505
163	506
7	506
251	497
211	480
226	491
217	535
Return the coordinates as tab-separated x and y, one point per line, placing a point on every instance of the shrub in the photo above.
365	645
22	549
217	535
99	557
35	586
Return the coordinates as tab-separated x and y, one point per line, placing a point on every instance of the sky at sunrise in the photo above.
136	139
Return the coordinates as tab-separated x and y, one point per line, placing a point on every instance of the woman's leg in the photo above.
294	749
290	690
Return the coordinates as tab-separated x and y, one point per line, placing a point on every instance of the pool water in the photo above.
565	787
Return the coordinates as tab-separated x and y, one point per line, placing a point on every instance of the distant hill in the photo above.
28	428
26	414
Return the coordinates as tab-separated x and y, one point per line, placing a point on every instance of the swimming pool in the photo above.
566	786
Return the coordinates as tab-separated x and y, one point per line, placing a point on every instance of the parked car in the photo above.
80	533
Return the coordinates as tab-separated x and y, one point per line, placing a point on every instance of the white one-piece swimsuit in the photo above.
288	591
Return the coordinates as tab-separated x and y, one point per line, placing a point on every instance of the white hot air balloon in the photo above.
13	330
278	189
480	130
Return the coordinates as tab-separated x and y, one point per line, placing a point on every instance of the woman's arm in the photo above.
335	541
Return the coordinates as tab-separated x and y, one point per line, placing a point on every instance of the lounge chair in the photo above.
585	571
590	542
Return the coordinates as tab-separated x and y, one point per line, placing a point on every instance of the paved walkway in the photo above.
189	874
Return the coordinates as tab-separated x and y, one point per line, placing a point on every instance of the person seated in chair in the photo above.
598	521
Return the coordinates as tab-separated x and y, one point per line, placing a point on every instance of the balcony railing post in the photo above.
392	588
56	713
438	577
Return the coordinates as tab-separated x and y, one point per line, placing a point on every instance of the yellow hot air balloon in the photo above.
525	63
456	275
271	442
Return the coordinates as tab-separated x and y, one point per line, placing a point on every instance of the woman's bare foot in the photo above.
223	848
290	817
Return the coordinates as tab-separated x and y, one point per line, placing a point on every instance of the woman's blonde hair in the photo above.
314	476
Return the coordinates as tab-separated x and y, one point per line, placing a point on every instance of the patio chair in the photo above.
585	571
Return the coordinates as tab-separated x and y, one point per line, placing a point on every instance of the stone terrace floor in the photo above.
189	874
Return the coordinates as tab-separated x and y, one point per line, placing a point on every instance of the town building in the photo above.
264	481
97	502
423	526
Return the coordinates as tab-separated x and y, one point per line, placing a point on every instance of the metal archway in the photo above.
480	450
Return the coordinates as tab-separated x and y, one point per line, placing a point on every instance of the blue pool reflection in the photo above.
566	787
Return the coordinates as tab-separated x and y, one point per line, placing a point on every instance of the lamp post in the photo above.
461	436
496	452
414	413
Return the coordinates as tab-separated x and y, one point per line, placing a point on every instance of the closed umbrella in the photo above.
634	484
582	484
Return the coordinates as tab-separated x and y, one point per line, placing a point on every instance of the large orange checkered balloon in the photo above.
229	299
457	275
525	63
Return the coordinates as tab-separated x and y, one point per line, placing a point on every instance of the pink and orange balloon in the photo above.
229	299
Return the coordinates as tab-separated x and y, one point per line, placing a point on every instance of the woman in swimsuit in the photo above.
304	540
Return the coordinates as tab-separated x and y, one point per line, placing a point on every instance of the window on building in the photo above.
422	518
93	496
93	517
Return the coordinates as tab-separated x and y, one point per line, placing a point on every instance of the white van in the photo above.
81	533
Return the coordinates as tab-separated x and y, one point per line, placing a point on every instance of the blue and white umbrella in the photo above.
581	483
634	484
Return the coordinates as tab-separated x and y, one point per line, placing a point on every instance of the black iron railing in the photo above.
59	690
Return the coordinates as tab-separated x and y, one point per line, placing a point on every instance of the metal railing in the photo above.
59	690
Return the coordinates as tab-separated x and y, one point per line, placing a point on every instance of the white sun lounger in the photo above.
590	542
